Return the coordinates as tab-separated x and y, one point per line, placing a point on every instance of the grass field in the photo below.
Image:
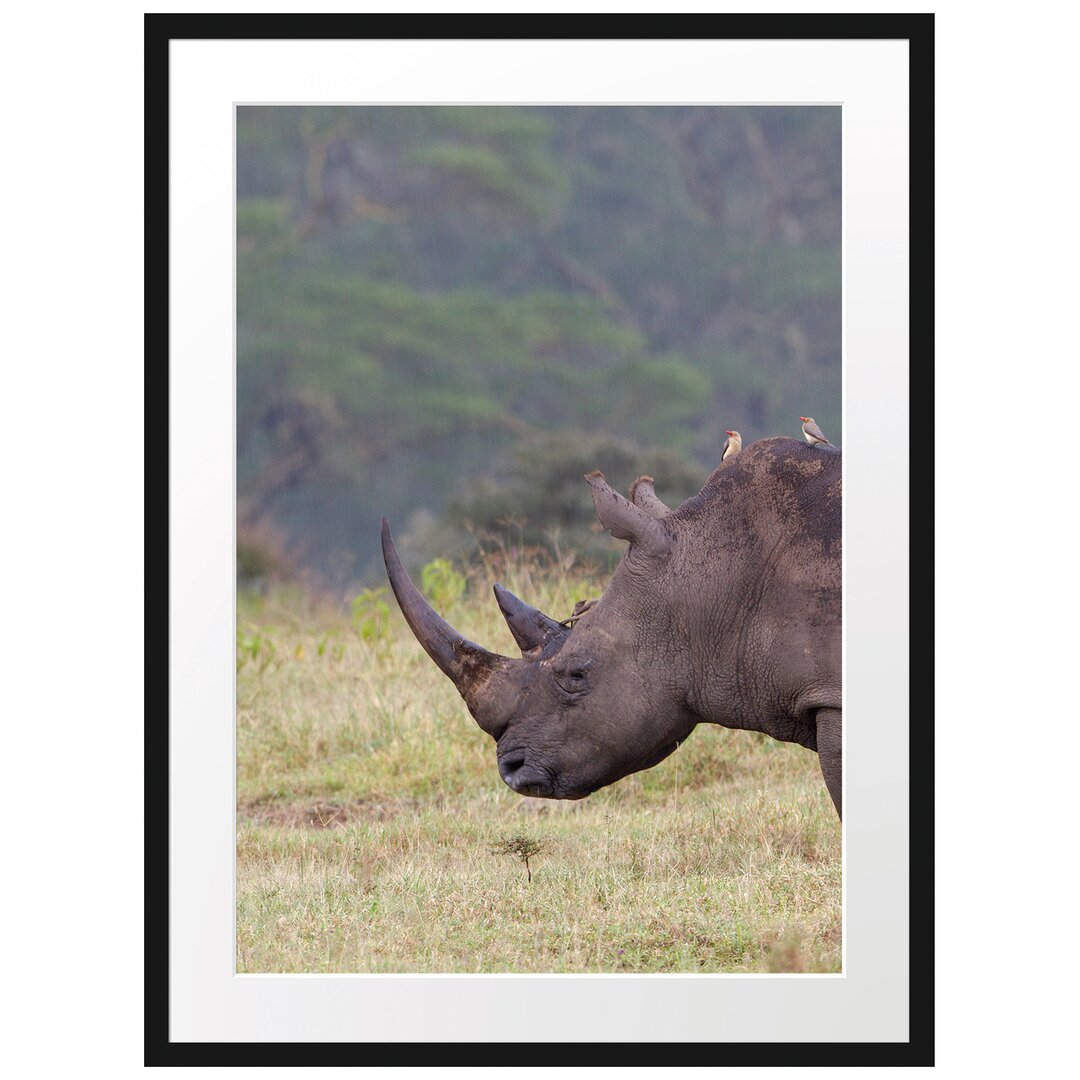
370	814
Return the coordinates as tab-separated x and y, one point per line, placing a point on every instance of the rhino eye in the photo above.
574	680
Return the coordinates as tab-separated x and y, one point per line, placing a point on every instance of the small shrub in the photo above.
253	645
371	614
442	584
331	643
522	847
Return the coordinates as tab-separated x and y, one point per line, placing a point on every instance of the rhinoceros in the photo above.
724	611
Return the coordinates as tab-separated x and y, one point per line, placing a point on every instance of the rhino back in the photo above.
760	551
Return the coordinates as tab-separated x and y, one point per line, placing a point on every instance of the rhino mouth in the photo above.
529	778
525	779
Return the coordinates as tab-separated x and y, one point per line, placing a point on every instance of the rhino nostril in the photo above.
524	779
509	764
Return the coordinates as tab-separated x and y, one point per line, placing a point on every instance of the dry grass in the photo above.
369	808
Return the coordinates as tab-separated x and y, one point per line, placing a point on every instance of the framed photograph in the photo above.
515	607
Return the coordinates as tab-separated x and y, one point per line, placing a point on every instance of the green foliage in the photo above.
371	614
661	394
255	646
424	293
260	219
478	172
442	583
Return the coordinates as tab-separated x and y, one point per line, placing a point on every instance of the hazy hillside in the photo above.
448	314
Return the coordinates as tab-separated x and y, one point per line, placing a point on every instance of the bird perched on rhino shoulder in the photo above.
814	435
732	446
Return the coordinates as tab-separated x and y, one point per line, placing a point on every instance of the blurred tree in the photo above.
433	300
541	497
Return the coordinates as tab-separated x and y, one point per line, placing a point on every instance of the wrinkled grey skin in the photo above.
724	611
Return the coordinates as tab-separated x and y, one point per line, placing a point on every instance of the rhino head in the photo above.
584	705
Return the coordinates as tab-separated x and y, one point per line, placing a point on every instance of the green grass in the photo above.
370	805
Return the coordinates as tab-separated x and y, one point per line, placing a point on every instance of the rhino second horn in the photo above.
625	521
468	665
531	628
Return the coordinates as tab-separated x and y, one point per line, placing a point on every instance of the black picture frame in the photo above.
159	31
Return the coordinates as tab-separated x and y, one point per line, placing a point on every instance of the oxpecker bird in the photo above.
732	446
814	435
579	609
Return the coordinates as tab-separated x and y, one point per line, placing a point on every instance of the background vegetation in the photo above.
447	315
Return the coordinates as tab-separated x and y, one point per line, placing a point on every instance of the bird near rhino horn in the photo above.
732	446
812	433
582	607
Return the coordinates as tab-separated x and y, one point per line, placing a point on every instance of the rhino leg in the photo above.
829	742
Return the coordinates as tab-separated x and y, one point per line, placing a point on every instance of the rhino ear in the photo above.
625	521
643	494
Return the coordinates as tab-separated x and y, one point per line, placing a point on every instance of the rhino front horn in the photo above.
468	665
